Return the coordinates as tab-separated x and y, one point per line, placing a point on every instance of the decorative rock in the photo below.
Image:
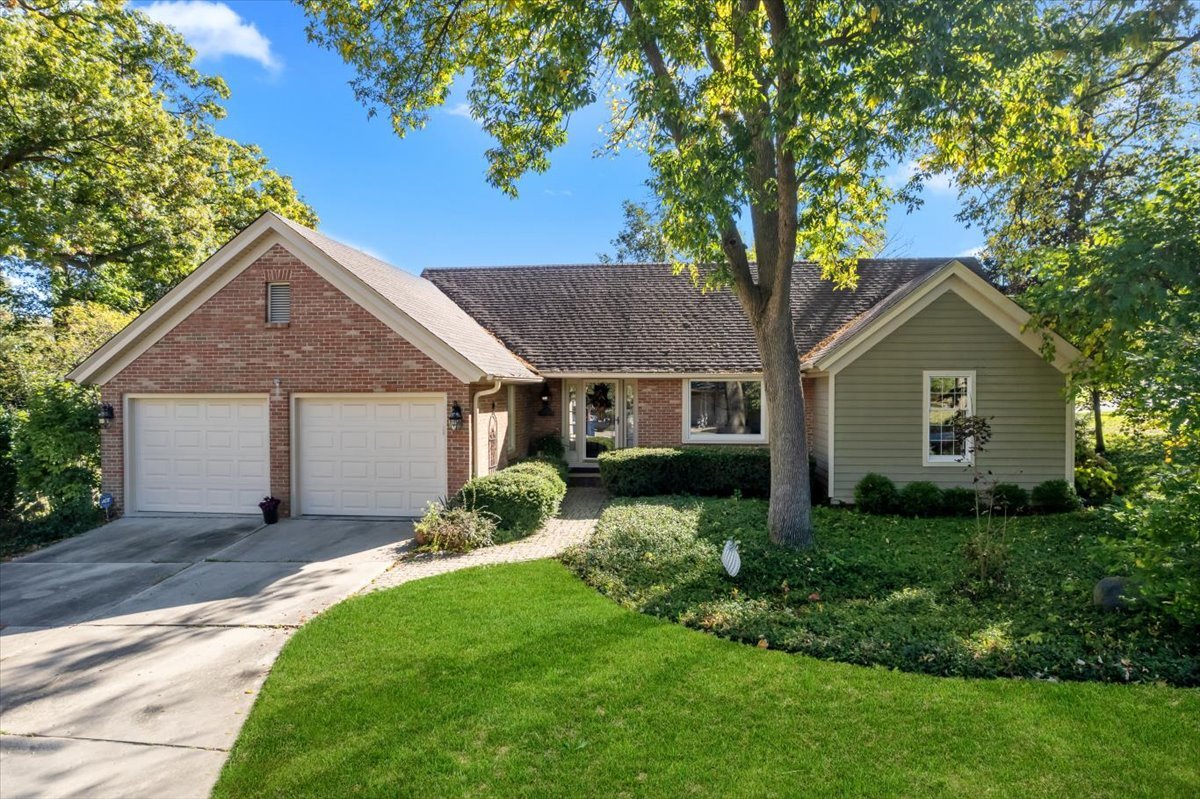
1112	593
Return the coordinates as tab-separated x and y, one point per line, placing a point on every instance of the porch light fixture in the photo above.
455	417
105	414
545	398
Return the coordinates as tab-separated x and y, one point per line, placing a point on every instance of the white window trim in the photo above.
720	438
272	285
946	460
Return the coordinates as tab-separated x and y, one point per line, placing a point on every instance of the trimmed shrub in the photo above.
548	446
544	466
876	493
921	498
1054	496
521	497
1009	497
706	471
444	529
958	501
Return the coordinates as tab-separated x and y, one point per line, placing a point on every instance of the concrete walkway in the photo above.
131	655
574	525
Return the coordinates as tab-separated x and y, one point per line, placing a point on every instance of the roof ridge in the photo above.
930	259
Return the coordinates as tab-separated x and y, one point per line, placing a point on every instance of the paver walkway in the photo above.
574	525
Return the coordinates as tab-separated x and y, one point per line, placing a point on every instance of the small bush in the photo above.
876	494
1009	498
921	498
521	497
1054	496
958	501
548	446
1095	480
459	529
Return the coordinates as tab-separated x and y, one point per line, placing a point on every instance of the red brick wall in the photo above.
660	408
331	345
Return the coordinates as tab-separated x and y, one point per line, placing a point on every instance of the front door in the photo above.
600	417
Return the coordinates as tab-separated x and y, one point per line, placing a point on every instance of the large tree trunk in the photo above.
790	516
1099	420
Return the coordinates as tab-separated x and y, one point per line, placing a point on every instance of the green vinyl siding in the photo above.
879	414
819	400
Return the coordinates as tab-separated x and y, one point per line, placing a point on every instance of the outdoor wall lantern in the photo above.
105	414
545	398
455	417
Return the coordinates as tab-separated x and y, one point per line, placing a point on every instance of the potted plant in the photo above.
270	510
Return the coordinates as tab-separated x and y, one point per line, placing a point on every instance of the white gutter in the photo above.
475	425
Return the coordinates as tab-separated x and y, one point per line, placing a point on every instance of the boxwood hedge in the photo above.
522	497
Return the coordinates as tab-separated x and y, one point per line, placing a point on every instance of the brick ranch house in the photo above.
293	365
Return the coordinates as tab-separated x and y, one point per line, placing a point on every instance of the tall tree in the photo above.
113	182
786	111
641	240
1065	161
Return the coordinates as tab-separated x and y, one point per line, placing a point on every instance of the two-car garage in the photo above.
354	455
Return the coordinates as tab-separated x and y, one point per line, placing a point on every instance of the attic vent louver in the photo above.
279	302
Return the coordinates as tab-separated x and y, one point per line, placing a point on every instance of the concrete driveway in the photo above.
131	655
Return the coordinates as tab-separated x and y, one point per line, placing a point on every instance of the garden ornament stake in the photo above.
730	558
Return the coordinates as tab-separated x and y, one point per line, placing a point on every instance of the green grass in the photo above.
520	681
890	591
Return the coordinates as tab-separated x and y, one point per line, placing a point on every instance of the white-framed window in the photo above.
946	393
279	302
724	410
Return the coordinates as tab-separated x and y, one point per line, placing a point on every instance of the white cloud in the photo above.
935	184
215	30
974	252
460	110
558	192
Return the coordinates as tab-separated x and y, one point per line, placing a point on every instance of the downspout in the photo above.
475	426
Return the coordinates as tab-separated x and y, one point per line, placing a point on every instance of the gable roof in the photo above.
844	345
410	305
644	319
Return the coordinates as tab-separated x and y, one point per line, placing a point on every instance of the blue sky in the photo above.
423	200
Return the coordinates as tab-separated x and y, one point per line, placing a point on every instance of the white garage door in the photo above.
370	455
199	455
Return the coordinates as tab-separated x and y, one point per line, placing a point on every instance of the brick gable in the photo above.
331	345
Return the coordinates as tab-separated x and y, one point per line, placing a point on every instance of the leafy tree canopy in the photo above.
641	240
113	182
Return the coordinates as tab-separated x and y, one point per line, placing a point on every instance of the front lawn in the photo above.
886	590
520	681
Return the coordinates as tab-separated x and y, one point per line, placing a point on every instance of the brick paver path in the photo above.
574	524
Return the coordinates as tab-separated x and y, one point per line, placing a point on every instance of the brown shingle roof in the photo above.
641	318
424	303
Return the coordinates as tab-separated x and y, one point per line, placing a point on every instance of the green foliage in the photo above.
1095	479
921	498
958	501
1093	221
1008	498
521	497
549	445
1163	549
1054	496
641	239
114	183
57	451
889	591
876	493
8	469
706	471
458	529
